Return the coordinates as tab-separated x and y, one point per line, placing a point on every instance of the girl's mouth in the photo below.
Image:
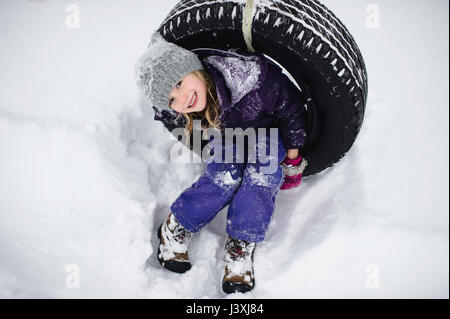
193	100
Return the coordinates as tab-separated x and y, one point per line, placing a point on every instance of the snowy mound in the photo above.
85	176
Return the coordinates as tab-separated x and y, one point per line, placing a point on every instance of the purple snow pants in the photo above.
248	190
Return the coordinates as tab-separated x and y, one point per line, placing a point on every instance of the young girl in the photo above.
224	89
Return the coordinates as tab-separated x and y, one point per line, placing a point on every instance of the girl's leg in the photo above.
252	206
214	190
248	218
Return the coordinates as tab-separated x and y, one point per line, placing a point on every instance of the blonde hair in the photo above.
210	112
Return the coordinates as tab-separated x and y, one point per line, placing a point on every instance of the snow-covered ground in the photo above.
85	178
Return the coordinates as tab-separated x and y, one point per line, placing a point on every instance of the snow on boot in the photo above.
238	266
172	249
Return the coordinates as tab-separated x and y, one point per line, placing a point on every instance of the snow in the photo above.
233	14
277	23
226	179
241	76
85	176
289	31
256	177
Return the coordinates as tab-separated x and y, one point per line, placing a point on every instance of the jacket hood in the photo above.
235	73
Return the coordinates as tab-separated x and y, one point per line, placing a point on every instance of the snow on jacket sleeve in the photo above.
288	107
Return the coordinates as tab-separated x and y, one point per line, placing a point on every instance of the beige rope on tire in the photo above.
247	20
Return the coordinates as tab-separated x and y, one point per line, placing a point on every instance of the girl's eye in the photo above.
177	86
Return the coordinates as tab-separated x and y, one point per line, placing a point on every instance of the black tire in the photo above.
309	41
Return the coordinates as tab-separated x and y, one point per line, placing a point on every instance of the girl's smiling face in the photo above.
188	95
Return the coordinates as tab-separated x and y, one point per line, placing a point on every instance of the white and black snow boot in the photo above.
173	245
238	266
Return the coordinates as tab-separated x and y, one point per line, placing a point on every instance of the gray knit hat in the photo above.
161	67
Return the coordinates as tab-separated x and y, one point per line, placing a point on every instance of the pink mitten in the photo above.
293	170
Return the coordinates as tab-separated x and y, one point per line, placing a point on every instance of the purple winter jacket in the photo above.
252	92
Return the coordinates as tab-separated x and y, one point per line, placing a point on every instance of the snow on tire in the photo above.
308	41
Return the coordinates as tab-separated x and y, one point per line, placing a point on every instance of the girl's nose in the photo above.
180	99
184	102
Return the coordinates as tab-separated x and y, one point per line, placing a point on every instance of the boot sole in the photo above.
230	287
172	265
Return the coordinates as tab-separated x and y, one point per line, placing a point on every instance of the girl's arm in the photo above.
289	109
